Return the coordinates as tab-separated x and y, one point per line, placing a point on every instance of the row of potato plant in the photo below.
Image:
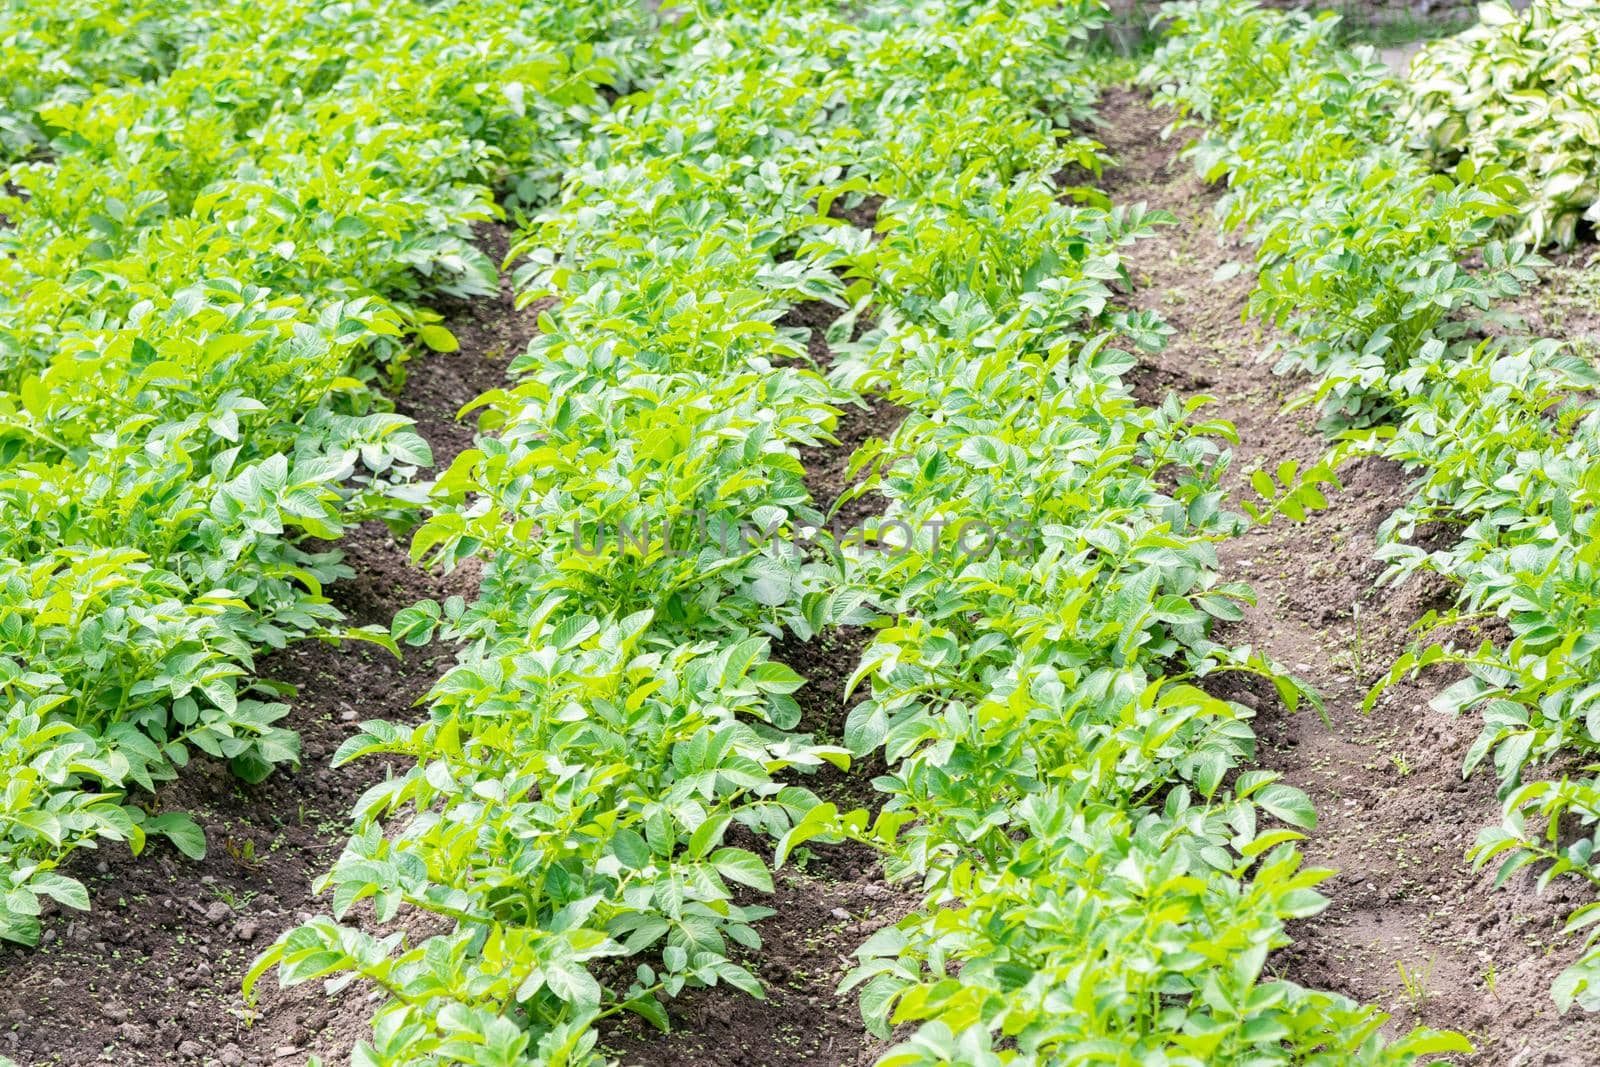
614	734
202	262
1100	873
594	774
1385	276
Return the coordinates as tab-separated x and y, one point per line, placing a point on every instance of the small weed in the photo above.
1353	657
243	853
1415	983
234	900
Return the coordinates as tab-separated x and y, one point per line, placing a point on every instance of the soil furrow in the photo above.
152	974
1411	927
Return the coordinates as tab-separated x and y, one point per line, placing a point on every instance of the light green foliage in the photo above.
615	722
1090	851
1521	90
1055	776
215	221
1502	435
1361	248
58	49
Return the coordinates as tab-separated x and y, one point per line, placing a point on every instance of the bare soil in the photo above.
1396	817
152	974
1567	306
828	901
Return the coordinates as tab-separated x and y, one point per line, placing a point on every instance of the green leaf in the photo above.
1261	482
416	624
68	892
180	829
438	338
631	850
746	868
1288	804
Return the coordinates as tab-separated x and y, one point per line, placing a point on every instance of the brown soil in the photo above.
1567	305
829	900
828	466
1396	818
152	974
826	907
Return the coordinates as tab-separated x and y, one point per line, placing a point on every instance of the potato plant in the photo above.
220	229
69	48
1361	248
1034	693
1500	431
